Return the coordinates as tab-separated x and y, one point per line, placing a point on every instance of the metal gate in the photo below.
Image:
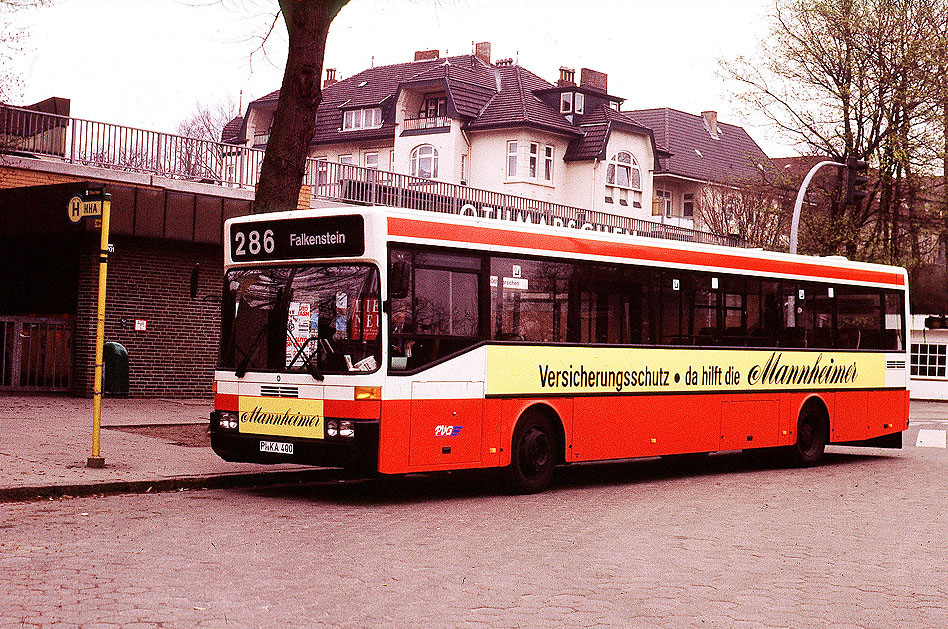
37	353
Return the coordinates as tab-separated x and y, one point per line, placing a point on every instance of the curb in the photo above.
217	481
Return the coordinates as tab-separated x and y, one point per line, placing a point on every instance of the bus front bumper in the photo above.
360	452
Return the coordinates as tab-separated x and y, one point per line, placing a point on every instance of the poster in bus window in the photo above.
370	319
342	305
299	326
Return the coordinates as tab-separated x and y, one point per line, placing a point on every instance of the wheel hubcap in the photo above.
535	452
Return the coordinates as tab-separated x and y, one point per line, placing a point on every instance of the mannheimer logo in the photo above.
775	372
289	418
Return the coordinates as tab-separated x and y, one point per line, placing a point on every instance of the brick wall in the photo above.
20	178
149	279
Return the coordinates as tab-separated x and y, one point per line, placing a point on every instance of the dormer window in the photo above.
566	103
572	103
368	118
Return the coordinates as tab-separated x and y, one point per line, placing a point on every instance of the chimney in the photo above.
426	55
567	77
482	51
330	77
597	81
711	123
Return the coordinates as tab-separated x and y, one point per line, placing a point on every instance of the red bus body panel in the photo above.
605	427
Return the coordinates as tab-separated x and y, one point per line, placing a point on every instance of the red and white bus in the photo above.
400	341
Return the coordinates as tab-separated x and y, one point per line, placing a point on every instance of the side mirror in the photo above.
398	280
195	275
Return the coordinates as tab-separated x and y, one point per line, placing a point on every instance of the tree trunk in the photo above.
294	123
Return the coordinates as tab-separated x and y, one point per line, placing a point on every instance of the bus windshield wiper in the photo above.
309	365
242	367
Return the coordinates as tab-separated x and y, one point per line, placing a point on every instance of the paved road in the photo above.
860	541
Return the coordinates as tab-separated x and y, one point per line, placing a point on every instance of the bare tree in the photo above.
207	121
283	169
11	45
757	214
852	78
197	154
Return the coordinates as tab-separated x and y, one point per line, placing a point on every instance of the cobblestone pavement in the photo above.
858	542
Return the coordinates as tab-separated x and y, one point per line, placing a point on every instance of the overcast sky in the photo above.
147	63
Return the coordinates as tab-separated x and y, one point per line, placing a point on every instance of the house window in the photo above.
464	169
511	158
424	162
345	159
371	160
534	155
391	161
369	118
433	107
623	180
688	209
665	201
928	360
579	103
548	164
566	103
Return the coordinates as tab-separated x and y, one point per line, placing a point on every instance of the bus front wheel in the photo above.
531	456
811	437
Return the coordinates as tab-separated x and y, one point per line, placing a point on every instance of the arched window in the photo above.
424	162
623	179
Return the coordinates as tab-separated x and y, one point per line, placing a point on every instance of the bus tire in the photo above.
532	455
811	437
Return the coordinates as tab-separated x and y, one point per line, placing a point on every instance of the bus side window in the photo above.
399	278
894	321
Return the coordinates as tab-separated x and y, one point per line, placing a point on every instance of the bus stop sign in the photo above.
79	208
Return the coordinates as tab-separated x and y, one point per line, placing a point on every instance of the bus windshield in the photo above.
302	319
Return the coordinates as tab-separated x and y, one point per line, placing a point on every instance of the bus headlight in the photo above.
227	420
347	429
332	428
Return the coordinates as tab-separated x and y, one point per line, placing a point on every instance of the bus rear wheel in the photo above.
532	455
811	438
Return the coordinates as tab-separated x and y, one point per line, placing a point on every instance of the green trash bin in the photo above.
115	378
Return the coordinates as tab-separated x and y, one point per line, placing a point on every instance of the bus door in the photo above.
446	423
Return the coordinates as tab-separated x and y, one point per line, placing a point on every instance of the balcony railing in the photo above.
414	124
366	186
105	145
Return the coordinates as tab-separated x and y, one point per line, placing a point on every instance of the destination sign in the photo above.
298	238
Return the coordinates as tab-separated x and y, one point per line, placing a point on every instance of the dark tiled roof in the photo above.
486	96
733	158
597	125
231	132
516	104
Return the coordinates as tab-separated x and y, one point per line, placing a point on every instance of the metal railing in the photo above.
116	147
106	145
367	186
37	353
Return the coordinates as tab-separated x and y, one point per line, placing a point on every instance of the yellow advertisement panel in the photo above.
525	370
284	417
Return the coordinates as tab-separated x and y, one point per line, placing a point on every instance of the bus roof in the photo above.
502	235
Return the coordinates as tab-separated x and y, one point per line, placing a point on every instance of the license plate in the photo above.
276	446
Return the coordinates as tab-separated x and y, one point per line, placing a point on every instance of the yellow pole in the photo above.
96	460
